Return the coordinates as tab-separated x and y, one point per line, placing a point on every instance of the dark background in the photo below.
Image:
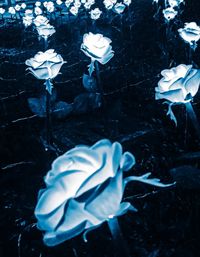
167	223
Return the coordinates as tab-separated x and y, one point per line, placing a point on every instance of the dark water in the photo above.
167	223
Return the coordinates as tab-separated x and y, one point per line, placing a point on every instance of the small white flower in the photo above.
73	10
68	3
50	7
59	2
169	13
38	11
2	11
11	10
175	3
127	2
27	20
95	14
77	3
38	4
190	33
46	30
17	7
23	6
108	4
29	12
40	20
119	8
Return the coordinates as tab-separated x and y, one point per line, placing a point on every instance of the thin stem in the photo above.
48	121
120	245
45	43
193	118
190	55
100	89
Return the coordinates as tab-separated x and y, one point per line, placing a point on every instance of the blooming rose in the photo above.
95	14
45	65
169	13
179	84
23	6
41	20
175	3
45	31
190	33
97	47
84	189
74	10
37	10
11	10
2	11
119	8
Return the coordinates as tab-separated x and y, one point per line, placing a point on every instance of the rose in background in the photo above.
85	188
40	20
190	34
169	13
98	48
45	31
45	66
178	86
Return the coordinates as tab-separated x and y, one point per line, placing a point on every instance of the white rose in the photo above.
179	84
85	187
175	3
95	14
23	6
74	10
119	8
41	20
27	20
11	10
2	11
45	65
169	13
108	4
190	33
37	10
45	31
97	47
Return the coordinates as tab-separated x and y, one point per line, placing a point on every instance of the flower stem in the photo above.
48	121
193	118
100	89
45	44
119	243
190	55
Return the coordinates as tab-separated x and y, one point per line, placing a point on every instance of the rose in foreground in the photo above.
84	188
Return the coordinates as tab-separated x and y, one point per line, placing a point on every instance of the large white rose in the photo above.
45	65
97	47
190	33
84	188
179	84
